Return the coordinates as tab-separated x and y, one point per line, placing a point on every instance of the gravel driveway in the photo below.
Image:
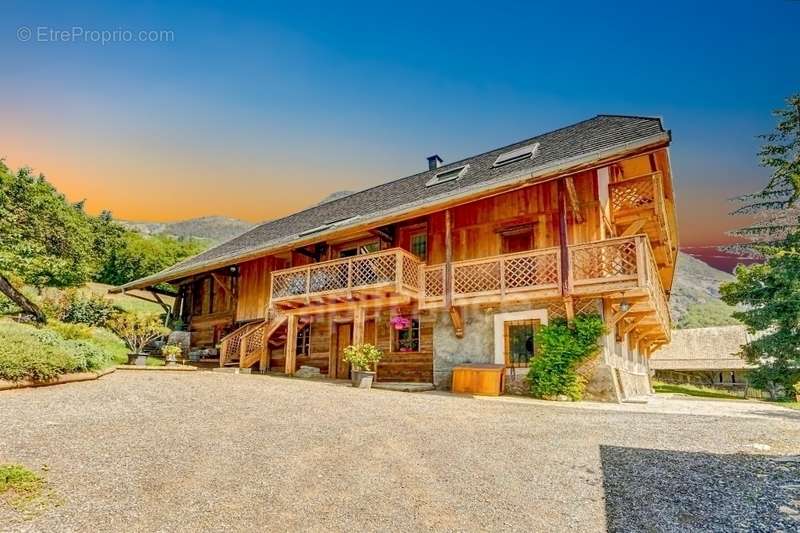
144	451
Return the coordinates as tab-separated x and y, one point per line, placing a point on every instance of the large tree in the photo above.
770	292
44	239
775	208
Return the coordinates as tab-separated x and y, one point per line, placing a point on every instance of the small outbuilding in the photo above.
703	356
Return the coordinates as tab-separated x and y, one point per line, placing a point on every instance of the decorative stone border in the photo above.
65	378
179	368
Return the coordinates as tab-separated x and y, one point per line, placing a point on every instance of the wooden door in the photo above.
344	335
369	332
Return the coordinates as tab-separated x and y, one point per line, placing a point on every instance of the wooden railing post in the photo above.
448	258
398	270
223	352
562	238
242	350
641	265
502	277
290	357
349	278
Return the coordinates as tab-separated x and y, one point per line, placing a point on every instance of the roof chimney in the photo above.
434	162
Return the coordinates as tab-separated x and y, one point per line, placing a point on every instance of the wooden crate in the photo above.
486	380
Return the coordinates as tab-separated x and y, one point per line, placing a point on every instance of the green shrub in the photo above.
80	307
27	352
561	347
71	331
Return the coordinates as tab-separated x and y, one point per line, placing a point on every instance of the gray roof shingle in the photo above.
602	132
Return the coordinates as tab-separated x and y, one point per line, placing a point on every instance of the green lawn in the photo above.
691	390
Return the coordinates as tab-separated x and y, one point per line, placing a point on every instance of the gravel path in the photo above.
140	451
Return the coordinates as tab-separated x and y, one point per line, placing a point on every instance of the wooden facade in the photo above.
606	232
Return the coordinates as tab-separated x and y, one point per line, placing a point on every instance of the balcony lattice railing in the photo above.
596	268
395	268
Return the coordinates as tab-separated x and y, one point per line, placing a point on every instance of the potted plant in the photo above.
137	330
363	358
171	353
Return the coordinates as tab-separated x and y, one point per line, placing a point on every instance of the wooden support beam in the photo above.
634	228
359	316
349	306
308	253
385	233
218	279
290	356
167	309
562	237
458	321
569	307
617	316
448	260
573	199
625	328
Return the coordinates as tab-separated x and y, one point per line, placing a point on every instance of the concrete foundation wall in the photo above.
616	373
476	346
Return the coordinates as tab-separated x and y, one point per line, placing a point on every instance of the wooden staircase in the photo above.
250	343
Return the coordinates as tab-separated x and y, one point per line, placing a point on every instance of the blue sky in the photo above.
258	111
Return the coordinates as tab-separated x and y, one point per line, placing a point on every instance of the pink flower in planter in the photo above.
400	322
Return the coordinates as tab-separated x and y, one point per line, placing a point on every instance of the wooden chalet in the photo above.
459	263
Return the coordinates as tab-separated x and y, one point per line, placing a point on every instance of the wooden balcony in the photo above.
507	278
640	202
622	267
393	272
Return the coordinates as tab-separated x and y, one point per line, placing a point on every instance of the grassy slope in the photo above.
690	390
694	301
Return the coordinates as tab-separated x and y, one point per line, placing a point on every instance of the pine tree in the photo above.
775	208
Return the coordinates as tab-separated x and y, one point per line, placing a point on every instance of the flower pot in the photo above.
362	379
171	360
138	359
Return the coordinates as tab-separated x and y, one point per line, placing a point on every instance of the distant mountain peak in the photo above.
335	196
213	228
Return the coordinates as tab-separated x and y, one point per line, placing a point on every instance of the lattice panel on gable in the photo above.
633	194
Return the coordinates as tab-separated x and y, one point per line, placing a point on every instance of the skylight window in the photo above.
448	175
526	152
329	225
315	230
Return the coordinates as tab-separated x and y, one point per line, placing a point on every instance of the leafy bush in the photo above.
71	331
137	330
78	306
362	356
561	347
27	352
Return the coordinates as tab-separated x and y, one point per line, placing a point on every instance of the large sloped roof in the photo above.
714	348
600	134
